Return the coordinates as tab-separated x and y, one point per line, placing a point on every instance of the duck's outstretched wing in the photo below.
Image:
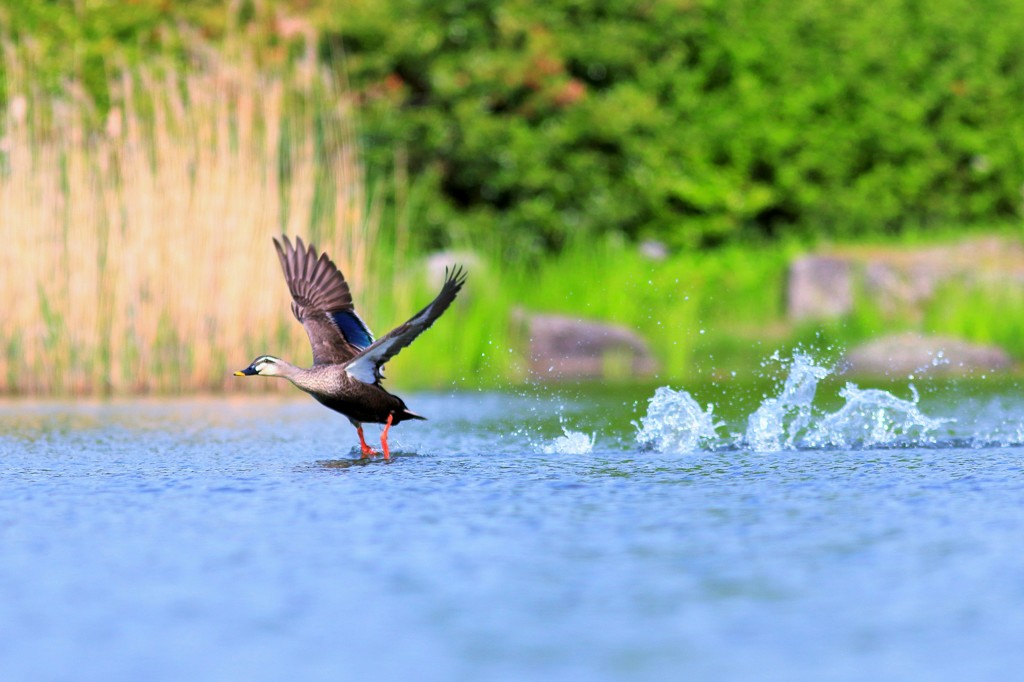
322	302
366	365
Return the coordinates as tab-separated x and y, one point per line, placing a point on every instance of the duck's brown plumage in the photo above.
320	295
347	362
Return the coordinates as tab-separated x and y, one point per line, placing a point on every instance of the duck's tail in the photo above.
406	415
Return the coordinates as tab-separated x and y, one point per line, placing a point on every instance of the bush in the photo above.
694	122
697	122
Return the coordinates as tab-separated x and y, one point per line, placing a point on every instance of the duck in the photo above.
348	362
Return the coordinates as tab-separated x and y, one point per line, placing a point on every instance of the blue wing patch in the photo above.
353	329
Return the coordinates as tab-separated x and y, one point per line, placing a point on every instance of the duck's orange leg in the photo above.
367	450
384	437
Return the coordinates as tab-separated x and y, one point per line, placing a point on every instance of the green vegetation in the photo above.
546	138
694	122
685	307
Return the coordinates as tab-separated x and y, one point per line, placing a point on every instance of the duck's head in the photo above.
264	365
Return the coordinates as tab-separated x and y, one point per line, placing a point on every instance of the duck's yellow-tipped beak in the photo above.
247	372
239	373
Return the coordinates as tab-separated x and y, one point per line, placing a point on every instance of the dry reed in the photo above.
137	253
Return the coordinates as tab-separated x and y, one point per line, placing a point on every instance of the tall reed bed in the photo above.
136	243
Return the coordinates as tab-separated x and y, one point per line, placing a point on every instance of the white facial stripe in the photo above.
263	363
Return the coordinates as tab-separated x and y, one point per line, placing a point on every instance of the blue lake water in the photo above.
512	537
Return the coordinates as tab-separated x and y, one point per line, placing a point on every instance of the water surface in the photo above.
512	537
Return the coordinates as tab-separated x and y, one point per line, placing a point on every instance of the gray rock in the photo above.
898	281
568	348
901	286
820	287
905	354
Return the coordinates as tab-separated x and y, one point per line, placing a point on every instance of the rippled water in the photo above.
753	534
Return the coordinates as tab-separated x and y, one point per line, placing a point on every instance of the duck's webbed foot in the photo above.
367	450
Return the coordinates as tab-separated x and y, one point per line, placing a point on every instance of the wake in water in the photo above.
789	421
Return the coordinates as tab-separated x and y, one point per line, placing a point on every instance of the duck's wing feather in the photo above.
366	366
322	302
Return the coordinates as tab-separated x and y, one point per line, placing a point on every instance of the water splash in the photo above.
779	421
571	443
869	418
676	423
872	417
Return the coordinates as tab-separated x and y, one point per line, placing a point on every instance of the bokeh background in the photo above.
657	166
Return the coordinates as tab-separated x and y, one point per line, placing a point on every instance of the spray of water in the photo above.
870	417
780	421
570	443
676	423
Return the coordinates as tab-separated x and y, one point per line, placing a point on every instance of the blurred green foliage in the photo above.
697	122
79	40
693	121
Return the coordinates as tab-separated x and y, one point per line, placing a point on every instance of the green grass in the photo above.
707	316
986	314
728	300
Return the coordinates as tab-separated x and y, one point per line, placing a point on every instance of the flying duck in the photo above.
347	362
